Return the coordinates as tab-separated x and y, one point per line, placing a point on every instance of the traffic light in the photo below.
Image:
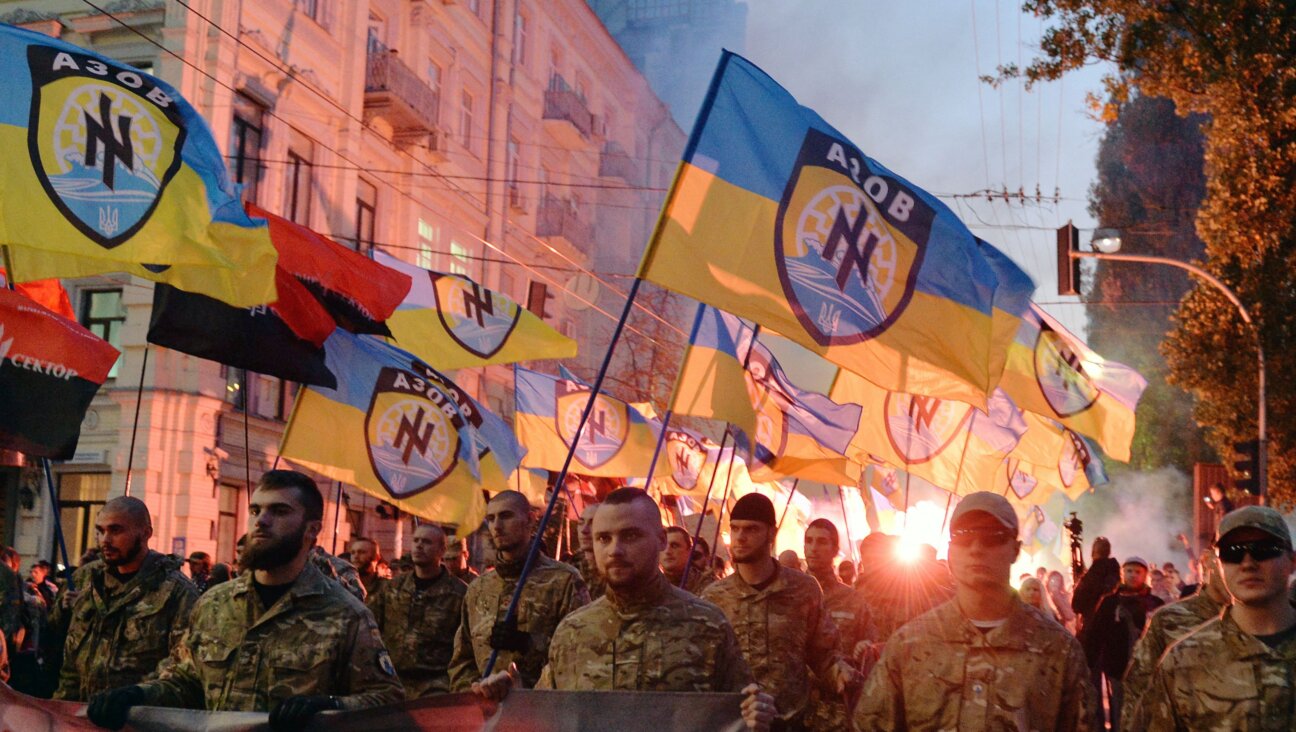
1068	240
1246	467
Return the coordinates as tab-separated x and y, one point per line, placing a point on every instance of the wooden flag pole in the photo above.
510	617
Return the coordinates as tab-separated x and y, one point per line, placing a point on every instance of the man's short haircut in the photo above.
520	501
131	507
307	492
705	547
830	527
1102	547
688	538
626	496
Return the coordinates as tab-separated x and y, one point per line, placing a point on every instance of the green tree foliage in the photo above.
1231	60
1150	183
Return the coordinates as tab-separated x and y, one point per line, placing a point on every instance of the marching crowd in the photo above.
807	643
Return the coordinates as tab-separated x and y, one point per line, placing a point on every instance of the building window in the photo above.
81	496
366	212
235	388
229	505
313	9
458	259
434	83
104	314
245	146
428	234
519	38
466	119
297	187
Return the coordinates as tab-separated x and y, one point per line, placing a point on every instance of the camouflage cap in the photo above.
986	502
1254	517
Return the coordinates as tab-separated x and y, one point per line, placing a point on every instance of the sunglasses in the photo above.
988	537
1259	550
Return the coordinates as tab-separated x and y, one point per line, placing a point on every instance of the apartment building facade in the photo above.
510	141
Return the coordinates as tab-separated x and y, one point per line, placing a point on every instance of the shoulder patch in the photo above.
385	663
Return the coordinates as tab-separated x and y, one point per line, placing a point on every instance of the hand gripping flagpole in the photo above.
45	462
510	616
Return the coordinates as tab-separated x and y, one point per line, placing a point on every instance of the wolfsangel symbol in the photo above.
848	242
1060	374
605	430
921	427
476	318
686	457
1075	458
1023	484
412	432
104	142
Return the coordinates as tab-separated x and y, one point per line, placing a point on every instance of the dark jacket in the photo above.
1109	636
1097	583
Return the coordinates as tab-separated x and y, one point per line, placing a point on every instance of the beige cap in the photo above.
1254	517
991	503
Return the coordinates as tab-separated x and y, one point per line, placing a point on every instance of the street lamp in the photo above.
1107	242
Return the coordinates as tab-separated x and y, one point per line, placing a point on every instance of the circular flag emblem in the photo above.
412	433
1060	374
921	427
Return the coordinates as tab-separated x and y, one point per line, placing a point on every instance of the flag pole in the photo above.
139	400
670	411
247	444
697	532
45	462
841	494
786	506
510	617
337	515
724	503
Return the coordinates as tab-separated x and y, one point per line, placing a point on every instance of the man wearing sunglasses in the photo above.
984	660
1235	671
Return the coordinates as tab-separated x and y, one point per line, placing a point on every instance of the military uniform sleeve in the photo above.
463	662
69	680
1147	651
371	677
546	678
576	596
731	667
1077	690
185	598
881	705
377	603
177	683
823	652
1155	710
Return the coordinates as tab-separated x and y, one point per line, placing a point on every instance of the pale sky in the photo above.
900	80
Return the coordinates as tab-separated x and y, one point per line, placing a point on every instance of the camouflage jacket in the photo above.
12	610
339	570
552	590
118	633
1168	624
418	627
1218	678
239	656
372	584
940	672
782	629
697	580
584	564
854	623
662	639
894	596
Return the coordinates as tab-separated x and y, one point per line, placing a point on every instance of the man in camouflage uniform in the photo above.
1235	672
418	614
365	557
679	554
1171	623
984	660
552	590
894	593
456	560
340	571
778	614
281	638
645	634
584	559
848	612
130	610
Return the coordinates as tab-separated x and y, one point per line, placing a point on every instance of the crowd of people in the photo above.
808	642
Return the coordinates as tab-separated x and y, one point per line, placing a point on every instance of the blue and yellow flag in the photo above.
1053	373
454	323
110	170
402	432
775	216
712	382
617	442
954	445
1075	470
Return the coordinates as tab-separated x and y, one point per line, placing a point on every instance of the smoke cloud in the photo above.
1141	513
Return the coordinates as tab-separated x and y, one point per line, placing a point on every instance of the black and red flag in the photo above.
321	285
50	369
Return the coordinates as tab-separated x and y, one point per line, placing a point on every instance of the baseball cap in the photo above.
986	502
1137	560
1254	517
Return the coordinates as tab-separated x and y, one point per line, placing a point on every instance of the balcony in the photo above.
615	162
566	115
556	218
396	94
